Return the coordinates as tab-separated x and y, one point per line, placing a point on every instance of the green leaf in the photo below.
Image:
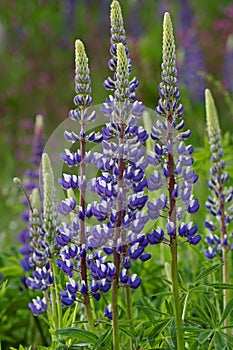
219	341
204	336
207	272
228	337
3	288
126	332
201	312
102	339
221	285
226	311
78	333
66	316
157	330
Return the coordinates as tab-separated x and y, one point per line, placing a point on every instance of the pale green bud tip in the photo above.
211	114
39	124
17	181
80	53
168	36
45	161
116	11
46	166
35	199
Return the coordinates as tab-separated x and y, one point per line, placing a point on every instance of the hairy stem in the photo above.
117	235
83	265
173	239
58	302
225	272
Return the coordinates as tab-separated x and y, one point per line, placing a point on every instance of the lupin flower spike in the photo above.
32	181
171	152
49	200
73	238
219	204
176	174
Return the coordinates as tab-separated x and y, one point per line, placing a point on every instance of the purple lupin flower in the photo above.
175	178
122	185
172	155
73	237
32	181
43	229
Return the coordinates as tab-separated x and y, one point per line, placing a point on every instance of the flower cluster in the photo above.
32	182
219	204
120	186
43	229
171	155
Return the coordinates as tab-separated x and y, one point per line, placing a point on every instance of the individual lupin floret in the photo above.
219	204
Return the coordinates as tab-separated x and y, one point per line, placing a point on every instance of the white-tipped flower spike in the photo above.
36	199
49	202
217	204
170	150
118	37
83	98
213	128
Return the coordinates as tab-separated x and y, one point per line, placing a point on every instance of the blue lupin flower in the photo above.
219	203
172	155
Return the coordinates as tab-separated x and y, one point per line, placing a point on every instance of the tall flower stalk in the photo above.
44	226
219	204
176	177
79	159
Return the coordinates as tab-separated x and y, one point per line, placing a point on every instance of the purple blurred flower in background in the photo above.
32	181
193	60
228	64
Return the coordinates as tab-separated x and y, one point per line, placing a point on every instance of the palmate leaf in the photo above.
157	330
102	340
204	336
221	285
226	311
207	272
219	341
79	334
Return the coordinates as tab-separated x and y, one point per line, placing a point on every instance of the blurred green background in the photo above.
37	68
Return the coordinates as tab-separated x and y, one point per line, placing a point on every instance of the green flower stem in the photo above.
128	298
82	203
211	343
173	240
116	256
175	290
225	272
57	296
115	287
225	279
